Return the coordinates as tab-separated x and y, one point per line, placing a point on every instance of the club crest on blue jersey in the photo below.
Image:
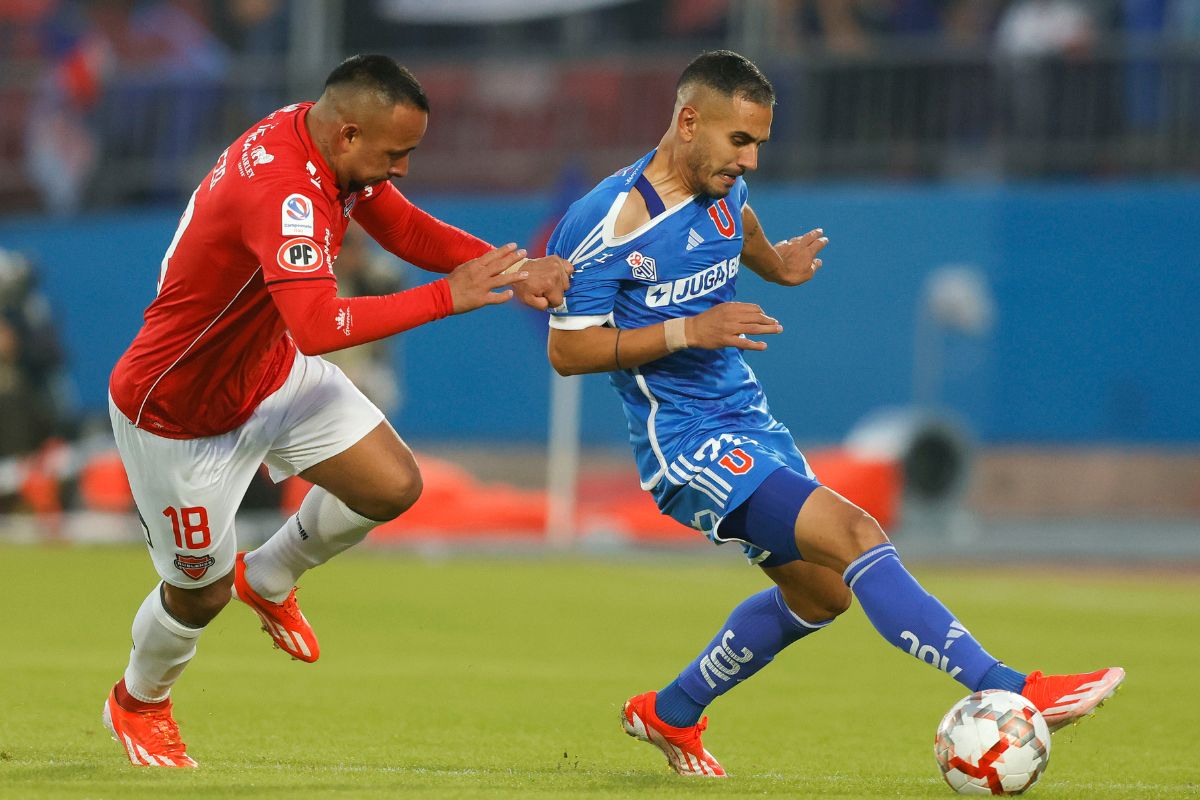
643	266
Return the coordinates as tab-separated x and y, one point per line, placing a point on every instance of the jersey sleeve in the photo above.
590	299
286	225
412	234
289	232
320	322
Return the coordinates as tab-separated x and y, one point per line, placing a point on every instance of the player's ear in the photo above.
349	133
686	123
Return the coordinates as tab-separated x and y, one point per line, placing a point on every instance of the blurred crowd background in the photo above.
1009	185
111	102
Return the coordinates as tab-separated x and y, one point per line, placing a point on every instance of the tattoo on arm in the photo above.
752	229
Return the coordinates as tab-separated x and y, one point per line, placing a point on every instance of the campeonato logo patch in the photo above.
297	206
300	255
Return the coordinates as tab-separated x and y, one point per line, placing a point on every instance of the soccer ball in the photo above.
992	742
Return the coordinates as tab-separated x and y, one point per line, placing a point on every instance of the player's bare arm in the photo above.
790	262
600	349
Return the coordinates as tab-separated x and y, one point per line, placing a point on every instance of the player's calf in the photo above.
198	607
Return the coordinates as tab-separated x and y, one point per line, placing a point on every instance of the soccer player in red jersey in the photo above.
225	373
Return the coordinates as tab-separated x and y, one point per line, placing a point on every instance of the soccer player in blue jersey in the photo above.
657	249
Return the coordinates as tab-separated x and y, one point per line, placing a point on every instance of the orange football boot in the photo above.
682	746
283	621
147	731
1064	699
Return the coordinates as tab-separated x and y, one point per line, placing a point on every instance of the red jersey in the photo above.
252	262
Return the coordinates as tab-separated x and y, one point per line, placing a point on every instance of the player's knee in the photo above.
863	532
402	490
817	599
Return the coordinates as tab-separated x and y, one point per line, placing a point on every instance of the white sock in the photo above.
162	647
323	527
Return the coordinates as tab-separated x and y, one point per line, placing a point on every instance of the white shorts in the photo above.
187	491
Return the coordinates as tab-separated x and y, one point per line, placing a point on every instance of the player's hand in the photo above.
549	278
473	284
724	325
799	255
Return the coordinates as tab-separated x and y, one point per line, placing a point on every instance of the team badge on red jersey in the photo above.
297	216
300	255
194	566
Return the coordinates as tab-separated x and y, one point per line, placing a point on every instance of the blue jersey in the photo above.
694	416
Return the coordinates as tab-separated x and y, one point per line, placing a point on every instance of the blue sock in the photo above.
674	707
1002	677
758	628
913	620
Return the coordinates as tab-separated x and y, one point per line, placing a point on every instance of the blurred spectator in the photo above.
32	403
171	68
129	80
1050	102
1157	78
362	269
256	31
1031	29
61	149
1142	19
969	23
253	27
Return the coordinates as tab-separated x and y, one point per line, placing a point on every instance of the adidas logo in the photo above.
694	239
956	630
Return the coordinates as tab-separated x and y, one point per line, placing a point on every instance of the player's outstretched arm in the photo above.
599	349
320	322
414	235
473	284
790	262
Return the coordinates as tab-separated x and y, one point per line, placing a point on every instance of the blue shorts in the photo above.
742	489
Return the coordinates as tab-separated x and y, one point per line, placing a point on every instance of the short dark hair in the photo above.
729	73
382	75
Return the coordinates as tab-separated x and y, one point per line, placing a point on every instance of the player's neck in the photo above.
320	132
666	177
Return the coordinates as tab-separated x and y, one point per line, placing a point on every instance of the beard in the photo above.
703	177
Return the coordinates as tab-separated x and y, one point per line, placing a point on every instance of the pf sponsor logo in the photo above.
193	566
300	255
296	216
643	266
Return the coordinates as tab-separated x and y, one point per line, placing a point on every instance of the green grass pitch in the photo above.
503	677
